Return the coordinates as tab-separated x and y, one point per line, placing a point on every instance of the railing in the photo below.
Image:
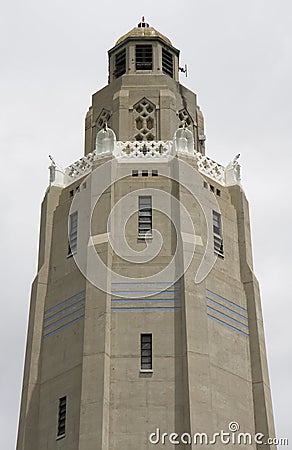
144	150
210	168
80	167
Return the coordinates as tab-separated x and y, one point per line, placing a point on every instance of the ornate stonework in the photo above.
144	120
182	144
103	118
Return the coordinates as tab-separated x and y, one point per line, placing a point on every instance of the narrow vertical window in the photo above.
120	63
143	57
145	216
73	226
146	351
62	416
167	63
218	236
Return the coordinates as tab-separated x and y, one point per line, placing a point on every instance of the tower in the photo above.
145	313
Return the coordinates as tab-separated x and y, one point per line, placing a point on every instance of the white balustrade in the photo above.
146	150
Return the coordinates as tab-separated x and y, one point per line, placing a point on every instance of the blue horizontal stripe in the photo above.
144	292
227	325
53	308
63	319
63	326
147	309
226	307
225	300
59	313
143	300
148	283
227	317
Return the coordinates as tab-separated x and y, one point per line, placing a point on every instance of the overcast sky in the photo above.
53	57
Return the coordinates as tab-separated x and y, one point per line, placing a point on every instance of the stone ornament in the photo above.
56	173
184	141
105	141
232	172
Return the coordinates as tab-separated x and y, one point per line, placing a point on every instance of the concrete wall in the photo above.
122	94
209	361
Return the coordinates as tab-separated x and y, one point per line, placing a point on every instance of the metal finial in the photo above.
53	161
143	24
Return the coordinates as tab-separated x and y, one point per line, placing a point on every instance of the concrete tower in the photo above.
145	313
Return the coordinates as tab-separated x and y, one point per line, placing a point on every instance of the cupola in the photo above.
142	51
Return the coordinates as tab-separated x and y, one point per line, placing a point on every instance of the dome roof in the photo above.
147	32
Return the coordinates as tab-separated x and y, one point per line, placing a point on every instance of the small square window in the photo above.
212	189
155	173
205	184
71	193
144	173
84	185
218	192
135	173
77	189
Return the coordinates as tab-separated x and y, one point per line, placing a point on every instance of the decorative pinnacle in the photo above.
143	24
53	161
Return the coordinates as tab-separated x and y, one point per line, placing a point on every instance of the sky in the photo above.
53	57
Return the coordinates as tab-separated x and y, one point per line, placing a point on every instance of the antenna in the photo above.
184	70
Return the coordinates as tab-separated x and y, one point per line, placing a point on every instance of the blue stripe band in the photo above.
59	313
64	318
53	308
63	326
148	283
147	309
143	300
227	301
227	325
117	293
227	317
226	308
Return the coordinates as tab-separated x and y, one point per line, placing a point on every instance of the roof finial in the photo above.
143	24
